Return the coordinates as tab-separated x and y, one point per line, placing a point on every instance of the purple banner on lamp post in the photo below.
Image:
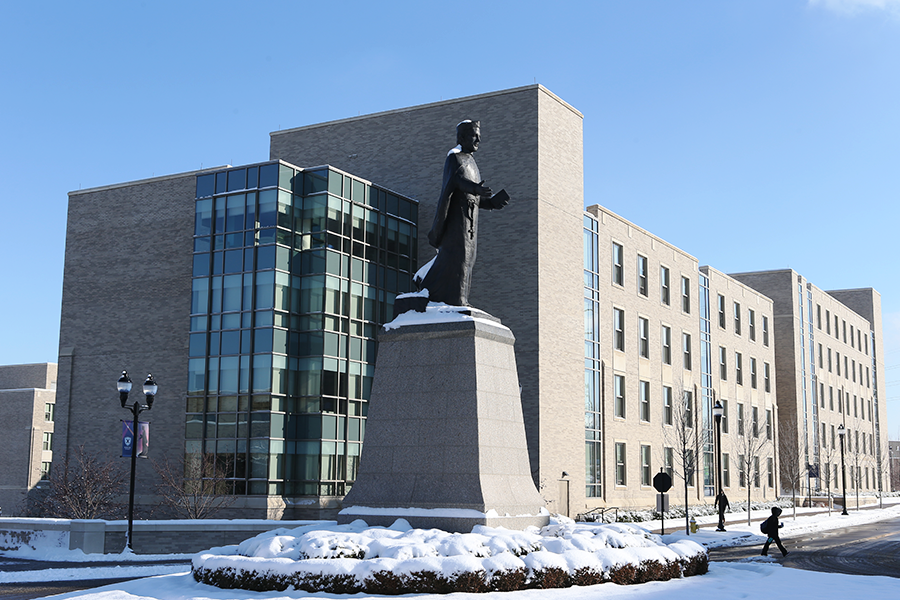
143	441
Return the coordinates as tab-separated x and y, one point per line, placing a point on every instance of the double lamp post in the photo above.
150	388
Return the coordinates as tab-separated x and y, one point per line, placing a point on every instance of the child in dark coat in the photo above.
771	529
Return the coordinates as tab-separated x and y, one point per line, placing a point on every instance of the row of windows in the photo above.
264	374
739	370
858	477
644	339
302	223
737	320
857	339
851	367
305	183
843	398
643	278
271	425
852	437
646	470
264	467
743	426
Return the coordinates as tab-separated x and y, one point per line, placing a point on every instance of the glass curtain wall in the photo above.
592	367
294	270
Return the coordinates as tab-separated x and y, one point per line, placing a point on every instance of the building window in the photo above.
740	419
829	360
49	412
837	332
667	405
619	383
756	471
742	475
642	275
721	301
645	465
645	401
619	328
845	331
686	348
852	337
669	461
667	345
685	295
690	466
738	368
45	471
620	463
618	258
726	470
644	333
723	364
724	415
689	408
765	328
664	286
819	316
768	424
752	373
737	318
754	412
48	441
830	398
767	376
751	324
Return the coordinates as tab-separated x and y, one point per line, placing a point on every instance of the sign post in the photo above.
663	483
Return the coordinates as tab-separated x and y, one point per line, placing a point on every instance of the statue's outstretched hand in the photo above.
483	190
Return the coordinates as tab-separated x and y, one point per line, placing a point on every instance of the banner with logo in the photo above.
143	440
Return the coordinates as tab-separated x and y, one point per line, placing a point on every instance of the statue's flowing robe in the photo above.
455	231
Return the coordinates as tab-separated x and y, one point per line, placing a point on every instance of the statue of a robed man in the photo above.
455	229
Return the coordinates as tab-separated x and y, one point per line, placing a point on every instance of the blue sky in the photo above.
702	119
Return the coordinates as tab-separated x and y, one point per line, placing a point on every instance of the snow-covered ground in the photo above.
752	579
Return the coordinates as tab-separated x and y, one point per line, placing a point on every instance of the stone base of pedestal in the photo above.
445	431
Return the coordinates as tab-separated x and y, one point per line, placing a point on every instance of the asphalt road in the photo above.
872	549
27	591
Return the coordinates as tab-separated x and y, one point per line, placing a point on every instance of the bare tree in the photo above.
749	447
82	486
828	456
196	486
856	459
685	438
792	461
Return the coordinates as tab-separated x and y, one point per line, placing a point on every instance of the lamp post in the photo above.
150	388
841	433
718	411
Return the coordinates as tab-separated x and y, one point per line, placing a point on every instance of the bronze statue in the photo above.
455	229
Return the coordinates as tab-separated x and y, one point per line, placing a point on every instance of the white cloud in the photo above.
853	7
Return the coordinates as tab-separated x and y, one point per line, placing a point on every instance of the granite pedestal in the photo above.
445	440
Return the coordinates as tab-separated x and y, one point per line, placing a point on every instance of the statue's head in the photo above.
468	135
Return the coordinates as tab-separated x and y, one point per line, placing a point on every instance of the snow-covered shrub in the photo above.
349	559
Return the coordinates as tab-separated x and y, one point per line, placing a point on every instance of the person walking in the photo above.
770	527
722	504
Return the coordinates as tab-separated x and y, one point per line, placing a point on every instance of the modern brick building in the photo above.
829	356
27	415
254	293
665	337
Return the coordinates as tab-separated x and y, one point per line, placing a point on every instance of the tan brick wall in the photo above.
529	254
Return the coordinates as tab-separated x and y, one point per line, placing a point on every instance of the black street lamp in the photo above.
150	388
841	433
718	411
